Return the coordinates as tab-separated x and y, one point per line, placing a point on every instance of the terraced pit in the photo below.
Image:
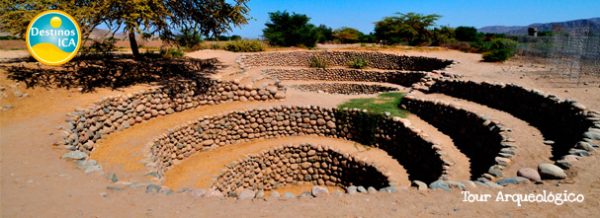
292	164
344	88
271	134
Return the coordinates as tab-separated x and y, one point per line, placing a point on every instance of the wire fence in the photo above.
571	56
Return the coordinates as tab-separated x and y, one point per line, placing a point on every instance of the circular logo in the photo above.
53	37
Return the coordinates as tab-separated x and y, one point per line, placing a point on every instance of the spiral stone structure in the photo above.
459	134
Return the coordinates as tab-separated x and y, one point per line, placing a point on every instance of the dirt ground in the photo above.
36	182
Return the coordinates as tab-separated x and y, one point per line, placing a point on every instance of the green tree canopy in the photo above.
442	35
347	35
324	33
285	29
412	28
467	34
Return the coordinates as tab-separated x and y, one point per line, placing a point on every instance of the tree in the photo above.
285	29
367	38
412	28
324	33
466	34
144	17
347	35
442	35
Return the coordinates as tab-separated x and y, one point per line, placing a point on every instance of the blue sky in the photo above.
362	14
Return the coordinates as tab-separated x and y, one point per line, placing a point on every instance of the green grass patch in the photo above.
384	102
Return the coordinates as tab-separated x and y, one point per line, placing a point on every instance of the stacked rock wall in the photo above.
405	144
562	121
344	88
343	58
292	164
86	126
485	142
336	74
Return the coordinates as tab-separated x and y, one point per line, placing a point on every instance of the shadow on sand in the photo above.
116	72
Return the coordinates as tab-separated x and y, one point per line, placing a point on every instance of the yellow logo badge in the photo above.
53	37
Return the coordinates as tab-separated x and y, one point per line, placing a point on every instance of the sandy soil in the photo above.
36	182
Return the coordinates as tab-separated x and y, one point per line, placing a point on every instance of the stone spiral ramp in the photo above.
529	142
35	181
200	169
458	166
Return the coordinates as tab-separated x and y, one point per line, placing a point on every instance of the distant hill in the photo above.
573	26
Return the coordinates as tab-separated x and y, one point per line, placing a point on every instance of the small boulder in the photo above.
579	152
75	155
495	171
371	190
152	188
319	191
585	146
89	166
595	135
551	171
361	189
390	189
305	195
439	184
530	174
567	161
214	193
198	193
352	189
289	195
513	180
246	194
421	186
280	95
275	195
260	194
456	185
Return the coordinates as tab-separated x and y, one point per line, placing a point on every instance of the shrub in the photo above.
215	46
500	50
442	36
347	35
317	61
245	46
461	46
358	63
171	53
467	34
367	38
324	33
287	29
188	38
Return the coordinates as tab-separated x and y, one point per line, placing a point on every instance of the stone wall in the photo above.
293	164
565	122
407	145
344	88
336	74
111	114
343	58
486	143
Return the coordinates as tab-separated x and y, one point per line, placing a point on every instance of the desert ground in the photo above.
38	182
